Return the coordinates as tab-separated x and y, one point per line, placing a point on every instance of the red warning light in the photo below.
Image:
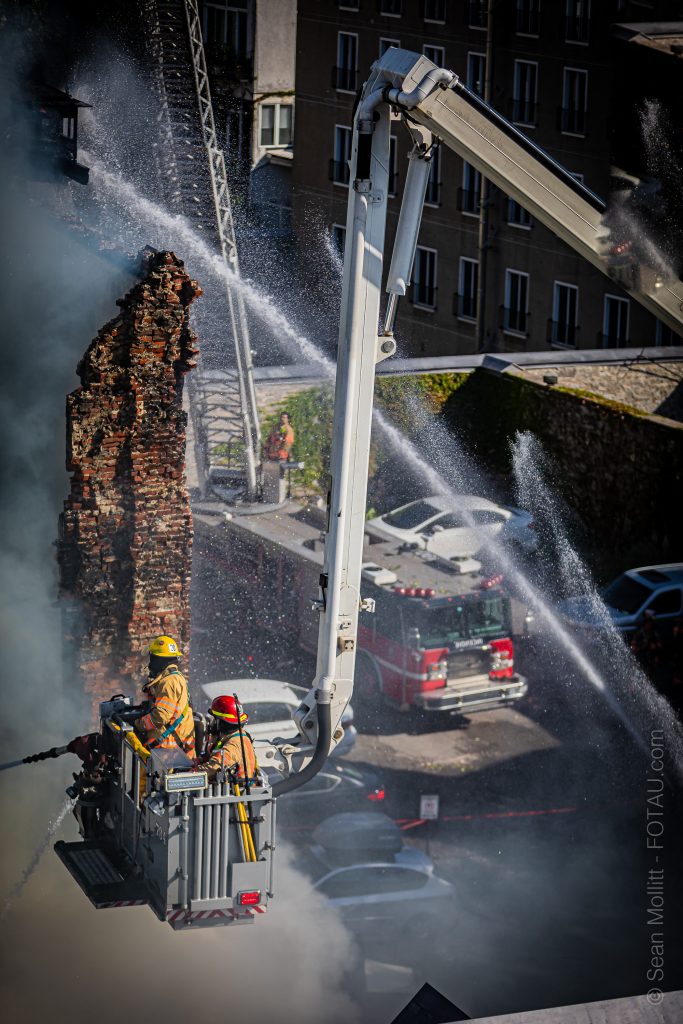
249	899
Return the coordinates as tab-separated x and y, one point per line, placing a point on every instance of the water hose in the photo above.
43	756
243	819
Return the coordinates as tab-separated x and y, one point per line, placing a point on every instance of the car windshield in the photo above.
412	516
268	711
441	625
487	617
626	595
445	625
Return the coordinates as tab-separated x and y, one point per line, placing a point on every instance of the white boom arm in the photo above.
443	108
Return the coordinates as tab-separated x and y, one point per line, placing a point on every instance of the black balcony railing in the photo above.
465	306
424	294
477	13
339	172
573	121
344	78
515	319
469	201
525	112
577	29
528	21
562	333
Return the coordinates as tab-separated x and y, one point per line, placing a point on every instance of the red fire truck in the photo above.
438	639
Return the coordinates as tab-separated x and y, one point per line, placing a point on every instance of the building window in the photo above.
518	217
424	278
433	193
385	44
468	282
528	17
470	192
577	21
615	322
338	239
226	25
525	95
564	326
276	124
391	8
436	54
516	309
664	335
345	74
476	72
477	12
393	165
574	102
434	10
69	128
339	165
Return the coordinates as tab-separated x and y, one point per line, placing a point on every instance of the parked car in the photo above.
383	889
336	788
653	588
270	704
451	530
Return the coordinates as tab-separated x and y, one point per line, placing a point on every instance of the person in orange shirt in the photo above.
280	440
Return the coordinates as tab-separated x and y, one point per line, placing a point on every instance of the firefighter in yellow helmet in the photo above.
169	722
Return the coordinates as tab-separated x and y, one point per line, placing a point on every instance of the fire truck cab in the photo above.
439	639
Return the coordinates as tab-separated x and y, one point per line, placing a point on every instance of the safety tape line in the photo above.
408	823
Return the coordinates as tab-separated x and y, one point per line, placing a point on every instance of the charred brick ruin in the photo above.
125	543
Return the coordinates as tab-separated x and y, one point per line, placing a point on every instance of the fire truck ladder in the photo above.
192	170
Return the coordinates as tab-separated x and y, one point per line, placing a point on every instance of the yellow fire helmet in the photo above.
164	647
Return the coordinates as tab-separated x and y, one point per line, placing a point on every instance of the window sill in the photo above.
520	227
345	92
573	135
515	334
425	309
467	319
562	345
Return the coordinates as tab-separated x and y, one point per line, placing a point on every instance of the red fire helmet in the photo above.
226	708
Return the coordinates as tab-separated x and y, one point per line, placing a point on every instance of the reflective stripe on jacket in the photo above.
229	753
170	700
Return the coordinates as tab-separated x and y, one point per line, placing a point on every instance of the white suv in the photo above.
652	588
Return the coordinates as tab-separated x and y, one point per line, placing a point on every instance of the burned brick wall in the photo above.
125	547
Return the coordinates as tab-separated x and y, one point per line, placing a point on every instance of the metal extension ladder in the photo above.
191	169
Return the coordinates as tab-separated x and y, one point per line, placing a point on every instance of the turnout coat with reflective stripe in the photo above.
168	693
229	753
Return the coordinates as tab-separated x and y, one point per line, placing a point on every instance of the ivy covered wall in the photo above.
617	468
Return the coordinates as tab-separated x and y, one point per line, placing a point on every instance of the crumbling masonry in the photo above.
126	531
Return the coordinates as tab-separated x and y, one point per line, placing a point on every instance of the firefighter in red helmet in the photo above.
230	751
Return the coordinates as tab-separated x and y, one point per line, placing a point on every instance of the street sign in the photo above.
429	807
